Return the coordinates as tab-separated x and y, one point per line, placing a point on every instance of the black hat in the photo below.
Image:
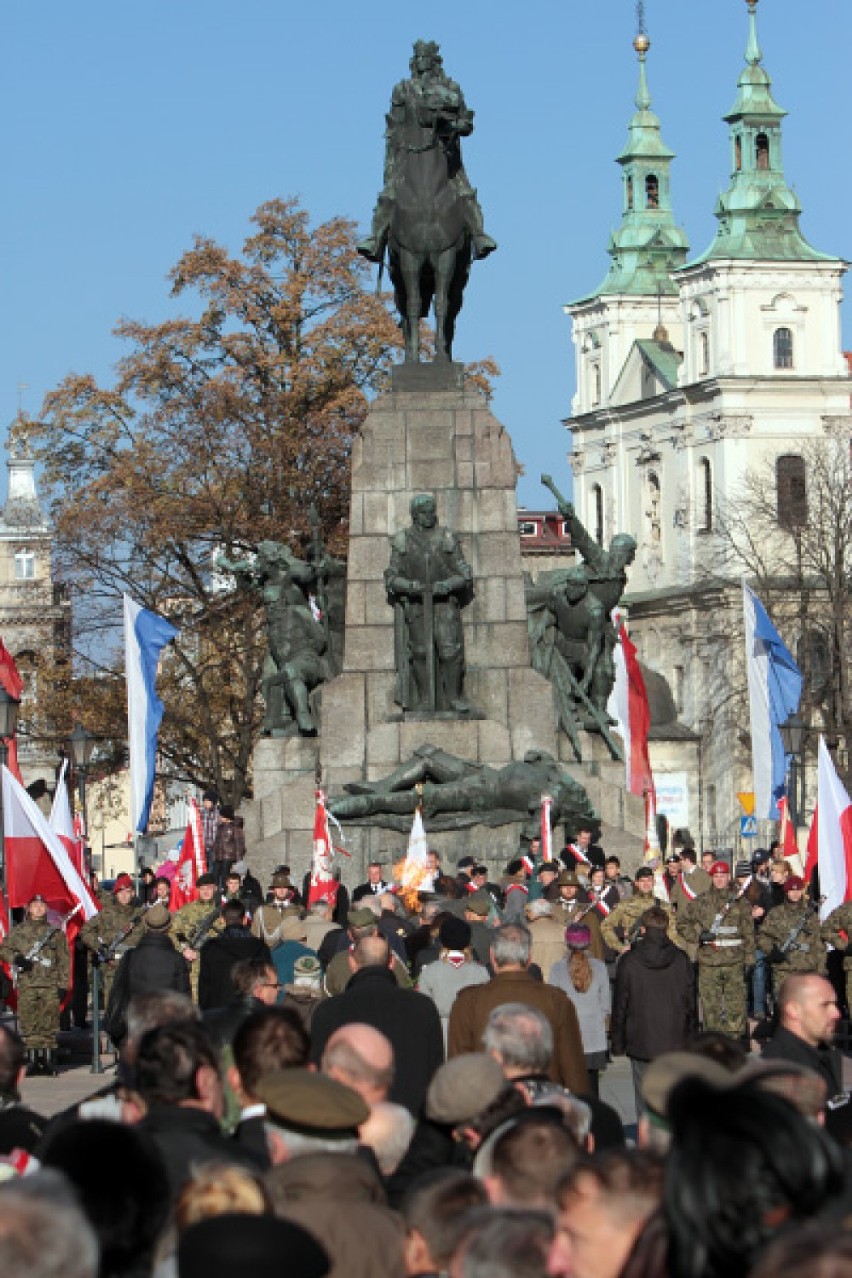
644	872
466	861
454	933
206	880
210	796
236	1243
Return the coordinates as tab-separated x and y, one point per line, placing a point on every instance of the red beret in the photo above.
720	867
123	881
794	884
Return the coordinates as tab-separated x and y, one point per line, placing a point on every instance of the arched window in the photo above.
629	194
738	153
654	512
598	513
782	348
596	382
652	191
705	495
24	565
791	490
761	151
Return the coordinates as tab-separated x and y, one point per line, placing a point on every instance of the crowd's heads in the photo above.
217	1189
577	936
43	1232
255	978
807	1006
239	1243
309	1113
454	934
387	1131
462	1087
234	913
436	1213
511	946
504	1244
603	1203
149	1011
268	1040
178	1063
523	1161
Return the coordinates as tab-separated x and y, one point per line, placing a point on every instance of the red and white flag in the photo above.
787	834
831	836
191	863
12	682
546	831
63	825
37	862
628	706
323	885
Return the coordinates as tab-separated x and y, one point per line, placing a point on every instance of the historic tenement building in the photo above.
692	373
34	610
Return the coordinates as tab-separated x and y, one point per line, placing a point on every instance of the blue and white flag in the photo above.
145	636
774	689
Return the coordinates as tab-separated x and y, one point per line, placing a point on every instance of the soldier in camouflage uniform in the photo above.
790	935
189	918
115	917
837	932
42	983
720	924
623	921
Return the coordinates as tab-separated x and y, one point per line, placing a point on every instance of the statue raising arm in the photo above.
581	540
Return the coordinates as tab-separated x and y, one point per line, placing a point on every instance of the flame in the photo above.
410	876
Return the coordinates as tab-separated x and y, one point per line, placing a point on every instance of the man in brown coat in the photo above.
511	952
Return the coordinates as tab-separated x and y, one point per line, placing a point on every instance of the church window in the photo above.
652	191
705	495
761	151
703	354
629	194
655	525
598	513
791	490
24	565
738	153
679	687
782	348
596	382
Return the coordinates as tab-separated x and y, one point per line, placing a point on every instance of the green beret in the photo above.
301	1101
361	918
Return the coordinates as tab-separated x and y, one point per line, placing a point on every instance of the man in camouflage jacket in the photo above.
720	924
42	982
191	918
790	935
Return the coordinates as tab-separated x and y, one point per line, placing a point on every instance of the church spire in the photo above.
758	214
647	246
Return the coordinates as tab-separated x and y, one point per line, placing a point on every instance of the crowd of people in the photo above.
409	1083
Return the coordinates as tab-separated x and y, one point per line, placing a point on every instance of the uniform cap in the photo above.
720	867
644	872
568	879
307	968
38	897
760	857
361	918
313	1104
794	884
123	881
206	880
466	861
281	880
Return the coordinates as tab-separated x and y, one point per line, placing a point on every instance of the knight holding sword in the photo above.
428	582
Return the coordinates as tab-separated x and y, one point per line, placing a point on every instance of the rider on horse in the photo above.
431	100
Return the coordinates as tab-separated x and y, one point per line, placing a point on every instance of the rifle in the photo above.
106	953
796	930
201	931
32	954
722	915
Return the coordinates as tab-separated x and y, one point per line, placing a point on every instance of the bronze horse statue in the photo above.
429	240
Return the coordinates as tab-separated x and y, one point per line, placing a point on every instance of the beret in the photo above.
206	880
123	881
361	918
463	1087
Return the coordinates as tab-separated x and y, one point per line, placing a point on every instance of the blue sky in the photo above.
126	128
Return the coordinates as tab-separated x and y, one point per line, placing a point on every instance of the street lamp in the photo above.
793	738
8	724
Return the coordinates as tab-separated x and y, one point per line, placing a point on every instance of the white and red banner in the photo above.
36	860
12	682
191	863
787	835
323	885
415	873
833	831
628	706
64	826
546	830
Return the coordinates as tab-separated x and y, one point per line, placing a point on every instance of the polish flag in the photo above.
833	835
191	863
323	885
37	862
628	706
787	835
12	682
63	825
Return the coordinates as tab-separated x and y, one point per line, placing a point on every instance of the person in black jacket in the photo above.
409	1020
154	964
219	955
254	986
653	1009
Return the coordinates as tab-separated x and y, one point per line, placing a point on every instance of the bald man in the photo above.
808	1015
362	1058
408	1019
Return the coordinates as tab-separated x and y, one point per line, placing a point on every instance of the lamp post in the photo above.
82	744
8	723
793	738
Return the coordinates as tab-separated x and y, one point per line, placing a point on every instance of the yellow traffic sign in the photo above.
746	798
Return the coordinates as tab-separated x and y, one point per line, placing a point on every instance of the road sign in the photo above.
748	827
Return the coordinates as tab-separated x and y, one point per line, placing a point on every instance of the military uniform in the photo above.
185	921
721	962
688	886
39	986
805	953
621	922
840	920
106	927
278	921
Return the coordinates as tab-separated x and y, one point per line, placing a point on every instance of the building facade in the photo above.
694	376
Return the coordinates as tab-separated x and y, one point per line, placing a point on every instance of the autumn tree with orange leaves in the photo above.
221	430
